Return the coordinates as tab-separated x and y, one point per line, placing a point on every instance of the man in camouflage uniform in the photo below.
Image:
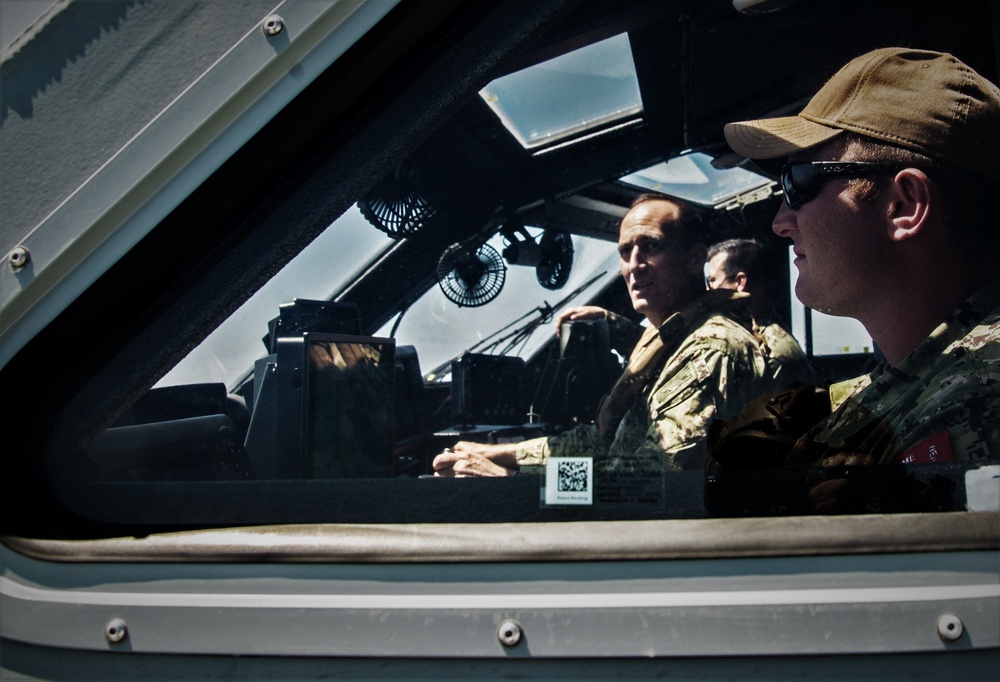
895	229
939	404
698	361
739	265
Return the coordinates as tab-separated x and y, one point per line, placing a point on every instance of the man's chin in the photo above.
808	297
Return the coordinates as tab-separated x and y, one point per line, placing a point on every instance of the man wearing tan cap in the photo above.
889	176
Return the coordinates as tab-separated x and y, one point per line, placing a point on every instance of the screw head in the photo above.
18	257
115	630
272	25
509	633
950	627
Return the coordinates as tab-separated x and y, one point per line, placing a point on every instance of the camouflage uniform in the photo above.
786	362
703	363
943	398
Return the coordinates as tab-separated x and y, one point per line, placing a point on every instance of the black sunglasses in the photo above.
802	181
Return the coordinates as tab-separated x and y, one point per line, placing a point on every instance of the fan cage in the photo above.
471	278
557	260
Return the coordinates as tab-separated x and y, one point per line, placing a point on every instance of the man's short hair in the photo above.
742	255
967	197
689	229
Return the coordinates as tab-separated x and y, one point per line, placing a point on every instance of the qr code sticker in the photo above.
574	477
568	480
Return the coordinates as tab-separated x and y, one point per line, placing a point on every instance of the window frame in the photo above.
124	365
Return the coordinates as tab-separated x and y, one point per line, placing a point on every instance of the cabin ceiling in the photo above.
699	66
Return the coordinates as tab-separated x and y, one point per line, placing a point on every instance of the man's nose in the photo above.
785	221
635	258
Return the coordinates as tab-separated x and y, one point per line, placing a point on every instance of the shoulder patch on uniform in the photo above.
842	390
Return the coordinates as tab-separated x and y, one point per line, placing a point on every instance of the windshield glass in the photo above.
333	258
515	323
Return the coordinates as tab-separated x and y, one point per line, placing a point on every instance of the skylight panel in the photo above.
692	177
573	94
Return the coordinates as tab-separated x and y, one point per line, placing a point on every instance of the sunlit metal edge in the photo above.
575	541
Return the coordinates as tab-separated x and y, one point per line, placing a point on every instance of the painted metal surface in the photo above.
771	606
160	147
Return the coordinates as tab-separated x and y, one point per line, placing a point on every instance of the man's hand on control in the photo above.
468	459
580	312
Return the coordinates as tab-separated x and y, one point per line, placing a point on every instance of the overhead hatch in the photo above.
570	96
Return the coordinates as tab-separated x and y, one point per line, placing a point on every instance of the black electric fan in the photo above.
557	259
551	255
471	276
409	199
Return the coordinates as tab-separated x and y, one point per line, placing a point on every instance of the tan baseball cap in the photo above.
929	102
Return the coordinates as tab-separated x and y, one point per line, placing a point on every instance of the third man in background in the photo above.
740	265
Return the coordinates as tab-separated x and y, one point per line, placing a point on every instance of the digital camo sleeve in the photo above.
580	441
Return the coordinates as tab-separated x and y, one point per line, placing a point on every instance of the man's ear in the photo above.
909	204
741	281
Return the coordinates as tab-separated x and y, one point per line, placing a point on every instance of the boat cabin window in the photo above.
390	289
